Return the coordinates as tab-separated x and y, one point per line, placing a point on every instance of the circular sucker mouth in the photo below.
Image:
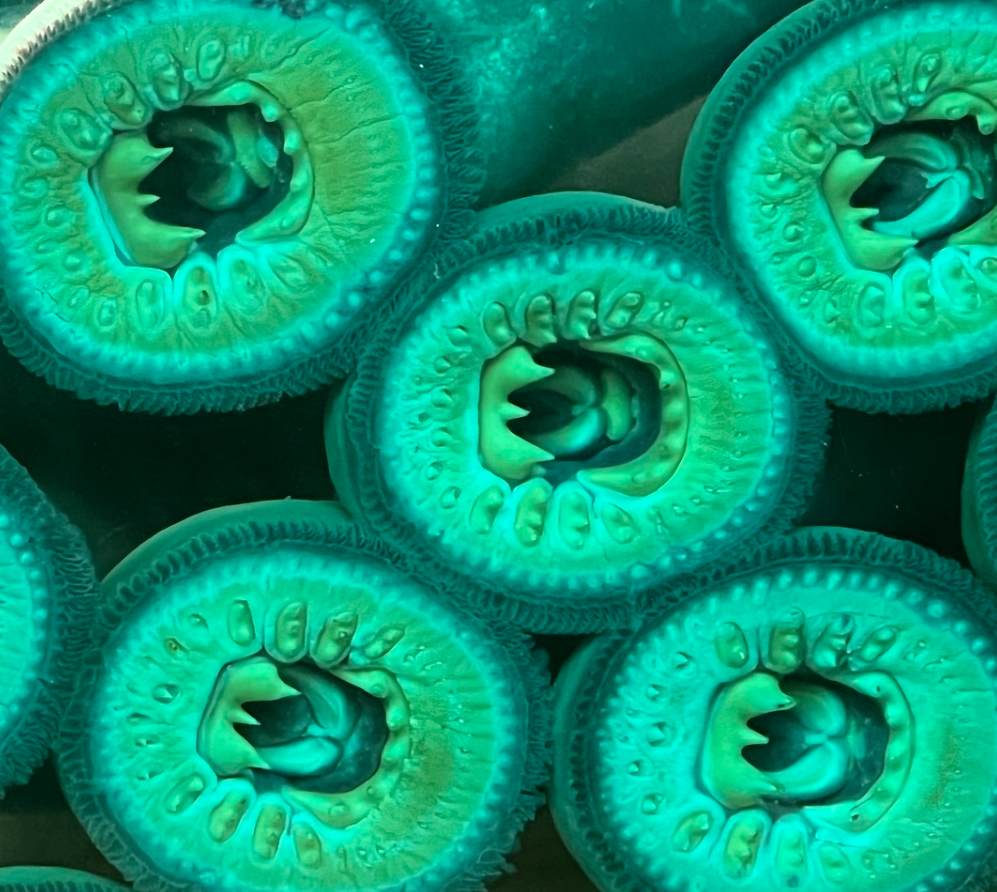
859	195
610	412
288	693
210	197
203	177
575	417
793	725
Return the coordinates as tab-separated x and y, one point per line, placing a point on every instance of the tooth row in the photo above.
785	650
750	838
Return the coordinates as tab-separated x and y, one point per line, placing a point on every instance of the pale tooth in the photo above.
268	831
729	777
848	170
502	452
743	843
531	512
786	643
829	651
573	519
486	507
731	645
227	815
789	841
691	831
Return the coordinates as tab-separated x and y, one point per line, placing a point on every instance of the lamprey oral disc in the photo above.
795	724
272	705
208	200
574	403
848	163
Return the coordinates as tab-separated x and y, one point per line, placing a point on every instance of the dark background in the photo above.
122	477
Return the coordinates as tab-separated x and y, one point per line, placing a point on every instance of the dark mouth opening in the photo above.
595	410
822	704
936	179
327	740
227	170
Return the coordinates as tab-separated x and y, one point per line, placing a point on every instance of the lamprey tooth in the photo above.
485	508
848	170
502	452
268	831
731	645
252	680
648	472
290	631
790	840
495	322
128	160
307	845
573	519
691	831
184	794
837	867
539	321
531	512
228	814
241	628
877	644
829	651
616	402
744	840
786	644
729	777
333	641
580	316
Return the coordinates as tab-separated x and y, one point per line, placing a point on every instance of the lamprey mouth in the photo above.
860	196
579	418
833	750
796	725
229	166
580	410
322	734
211	194
914	189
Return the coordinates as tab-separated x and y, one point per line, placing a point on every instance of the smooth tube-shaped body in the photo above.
47	601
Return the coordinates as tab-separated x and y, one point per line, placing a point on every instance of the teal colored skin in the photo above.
847	161
571	406
47	601
208	201
979	497
562	80
556	82
54	879
798	723
274	704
